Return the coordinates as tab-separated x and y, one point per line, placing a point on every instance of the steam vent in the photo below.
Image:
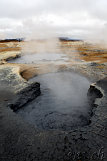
53	100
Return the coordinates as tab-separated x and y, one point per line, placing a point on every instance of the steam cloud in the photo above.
63	103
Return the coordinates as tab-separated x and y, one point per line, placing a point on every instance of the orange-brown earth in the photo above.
79	53
86	51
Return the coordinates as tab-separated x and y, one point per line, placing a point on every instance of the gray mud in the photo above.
63	103
40	58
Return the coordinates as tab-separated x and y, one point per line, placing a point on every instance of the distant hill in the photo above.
9	40
68	39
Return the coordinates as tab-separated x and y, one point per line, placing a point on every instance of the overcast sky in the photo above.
75	18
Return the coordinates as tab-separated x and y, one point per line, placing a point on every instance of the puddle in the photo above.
63	103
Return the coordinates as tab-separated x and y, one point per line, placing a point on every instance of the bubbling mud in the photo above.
63	103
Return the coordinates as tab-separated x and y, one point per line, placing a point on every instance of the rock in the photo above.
22	90
94	92
24	96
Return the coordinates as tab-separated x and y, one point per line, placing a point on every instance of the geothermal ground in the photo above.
53	101
61	105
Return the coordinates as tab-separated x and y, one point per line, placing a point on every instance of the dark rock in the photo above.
24	96
93	93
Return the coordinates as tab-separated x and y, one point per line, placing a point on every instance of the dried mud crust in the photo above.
21	141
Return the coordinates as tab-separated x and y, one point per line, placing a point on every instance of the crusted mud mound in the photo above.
24	96
19	89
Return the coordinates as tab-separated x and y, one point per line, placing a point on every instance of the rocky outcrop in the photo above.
25	95
94	92
22	91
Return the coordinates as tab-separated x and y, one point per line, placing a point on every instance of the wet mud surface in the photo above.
40	58
63	103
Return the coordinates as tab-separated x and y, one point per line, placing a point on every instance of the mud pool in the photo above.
63	103
40	58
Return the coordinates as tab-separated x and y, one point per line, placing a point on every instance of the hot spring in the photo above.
63	103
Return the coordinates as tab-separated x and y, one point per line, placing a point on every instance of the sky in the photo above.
43	18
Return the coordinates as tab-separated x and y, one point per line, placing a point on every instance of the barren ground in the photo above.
20	141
